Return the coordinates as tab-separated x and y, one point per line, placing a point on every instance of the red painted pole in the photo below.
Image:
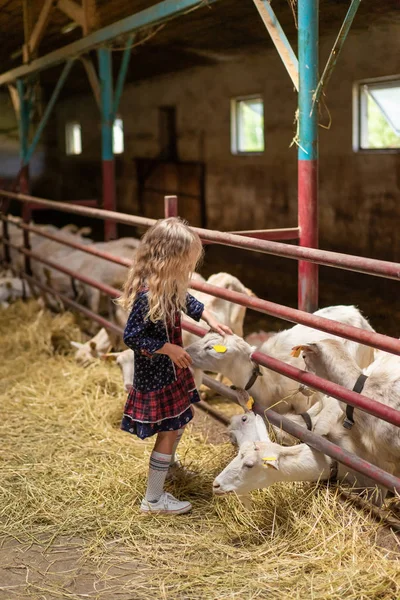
109	197
308	224
170	206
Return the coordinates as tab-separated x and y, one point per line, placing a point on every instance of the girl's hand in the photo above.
177	354
215	325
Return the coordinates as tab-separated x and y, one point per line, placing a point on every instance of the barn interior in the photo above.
203	108
176	121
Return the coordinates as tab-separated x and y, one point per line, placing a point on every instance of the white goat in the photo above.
235	361
99	345
260	464
125	361
331	360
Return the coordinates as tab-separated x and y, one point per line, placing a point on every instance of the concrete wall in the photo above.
359	193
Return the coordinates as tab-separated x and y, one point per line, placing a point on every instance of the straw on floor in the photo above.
66	469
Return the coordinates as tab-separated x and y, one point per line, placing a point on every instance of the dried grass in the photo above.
66	469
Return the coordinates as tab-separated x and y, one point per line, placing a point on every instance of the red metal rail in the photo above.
376	340
369	266
377	409
382	268
374	408
106	289
315	441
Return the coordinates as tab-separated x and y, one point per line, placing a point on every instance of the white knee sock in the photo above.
158	470
174	457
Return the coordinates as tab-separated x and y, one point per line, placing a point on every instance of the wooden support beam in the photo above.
27	12
93	79
279	39
90	16
73	10
15	99
40	25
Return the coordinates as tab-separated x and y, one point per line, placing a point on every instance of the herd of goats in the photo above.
260	462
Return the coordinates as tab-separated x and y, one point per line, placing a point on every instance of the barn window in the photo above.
73	138
118	136
247	125
377	115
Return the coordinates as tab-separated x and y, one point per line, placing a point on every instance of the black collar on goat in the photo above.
358	387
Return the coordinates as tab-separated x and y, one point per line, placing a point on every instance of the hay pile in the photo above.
66	469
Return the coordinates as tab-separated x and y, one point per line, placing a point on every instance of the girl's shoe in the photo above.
167	504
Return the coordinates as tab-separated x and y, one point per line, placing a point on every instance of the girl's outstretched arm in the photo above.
214	324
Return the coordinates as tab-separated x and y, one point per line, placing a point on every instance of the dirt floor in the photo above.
71	481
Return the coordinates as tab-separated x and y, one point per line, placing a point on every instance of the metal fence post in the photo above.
308	150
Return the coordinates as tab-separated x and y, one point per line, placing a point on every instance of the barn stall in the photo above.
228	548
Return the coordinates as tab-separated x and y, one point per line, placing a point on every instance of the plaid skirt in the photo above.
166	409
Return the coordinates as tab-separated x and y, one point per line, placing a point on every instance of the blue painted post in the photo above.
29	151
107	122
308	149
24	122
122	73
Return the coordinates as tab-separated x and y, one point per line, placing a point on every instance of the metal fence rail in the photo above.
315	441
370	266
376	340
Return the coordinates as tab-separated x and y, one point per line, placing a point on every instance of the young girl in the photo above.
159	402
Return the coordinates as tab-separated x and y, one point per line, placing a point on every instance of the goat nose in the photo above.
216	485
128	387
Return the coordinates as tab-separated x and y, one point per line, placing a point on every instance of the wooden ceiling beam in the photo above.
73	10
91	16
40	26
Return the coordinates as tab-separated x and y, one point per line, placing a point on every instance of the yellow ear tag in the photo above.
296	351
220	349
250	403
268	458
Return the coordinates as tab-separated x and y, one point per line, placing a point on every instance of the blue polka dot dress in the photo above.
162	393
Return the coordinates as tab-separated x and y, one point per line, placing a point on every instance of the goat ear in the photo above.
270	461
261	428
296	350
77	345
250	293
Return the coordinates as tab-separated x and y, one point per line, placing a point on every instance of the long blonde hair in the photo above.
166	258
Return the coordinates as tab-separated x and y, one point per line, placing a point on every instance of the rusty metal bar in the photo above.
69	242
94	213
106	289
294	315
317	442
377	409
75	305
372	407
368	266
286	233
376	340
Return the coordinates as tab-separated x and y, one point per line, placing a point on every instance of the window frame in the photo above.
69	124
360	114
234	116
